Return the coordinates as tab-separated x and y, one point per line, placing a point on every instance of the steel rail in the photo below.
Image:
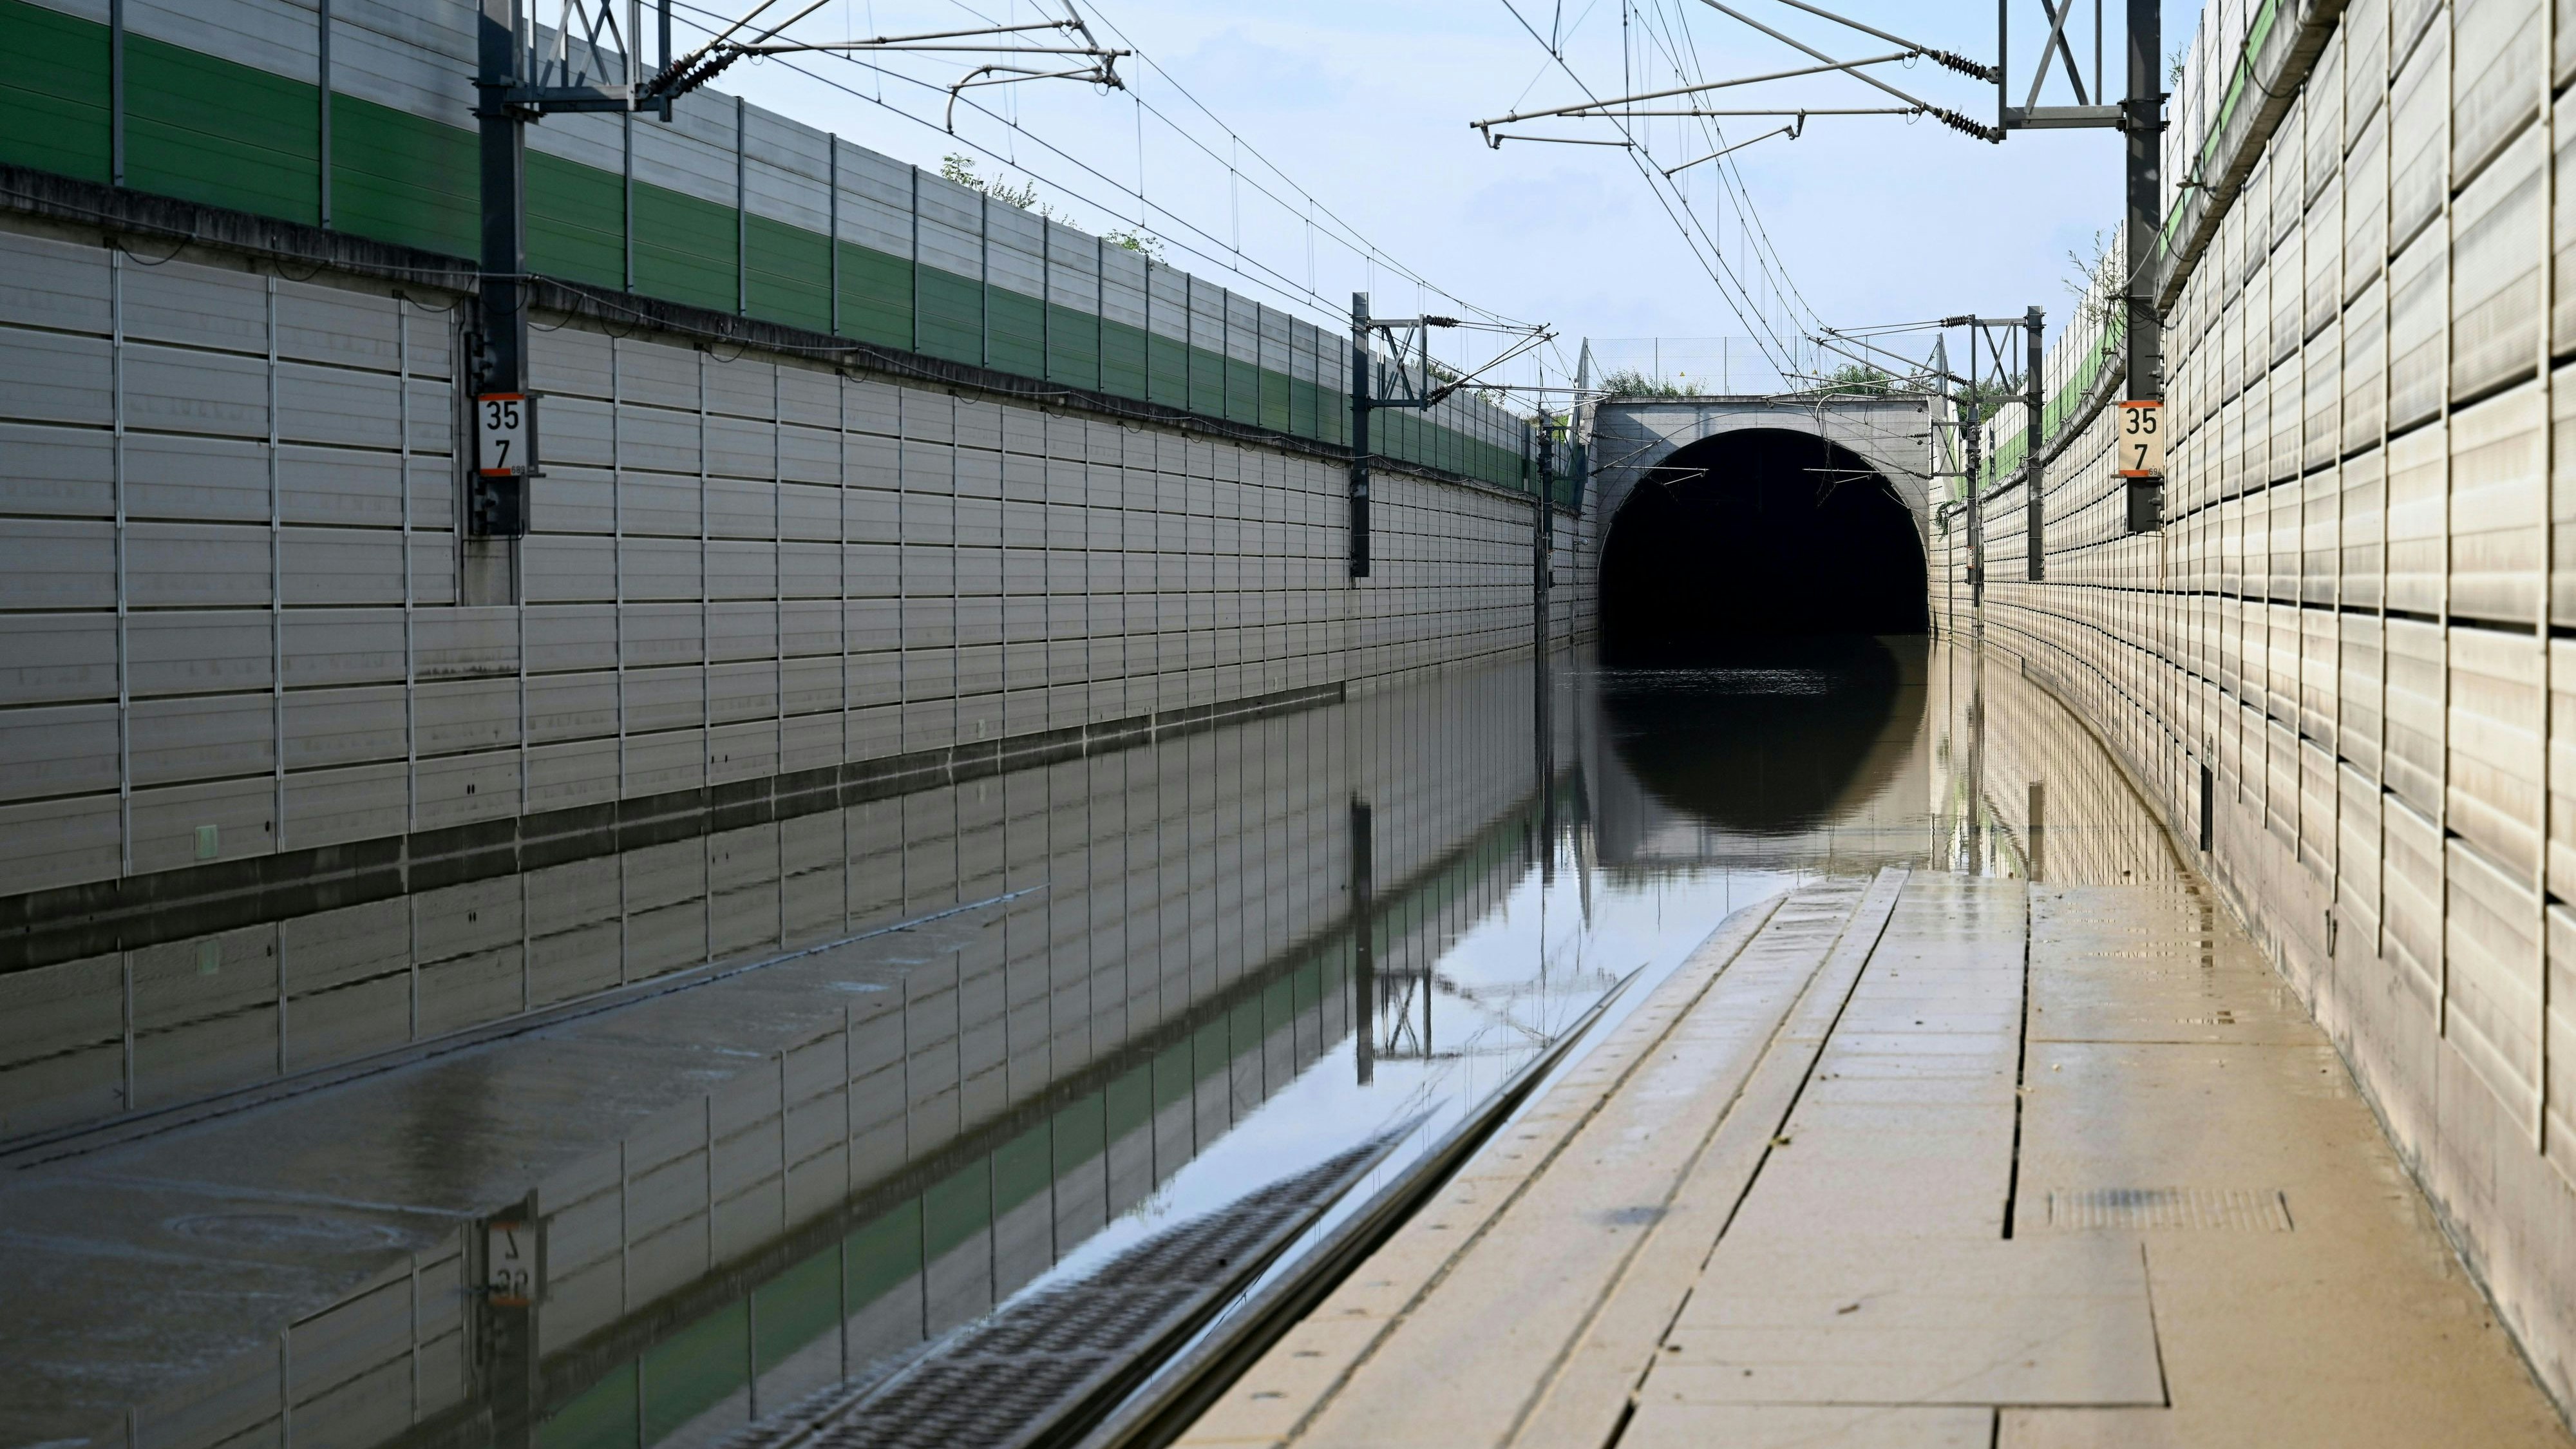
1173	1399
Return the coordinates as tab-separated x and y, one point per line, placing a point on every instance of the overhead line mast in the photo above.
594	62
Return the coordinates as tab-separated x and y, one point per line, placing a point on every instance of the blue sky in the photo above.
1362	107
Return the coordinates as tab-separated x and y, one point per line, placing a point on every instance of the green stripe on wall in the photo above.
1015	332
1302	407
1274	400
790	276
948	316
1242	392
684	248
204	129
208	130
1207	383
876	296
1073	346
576	221
53	102
1167	372
1123	352
401	179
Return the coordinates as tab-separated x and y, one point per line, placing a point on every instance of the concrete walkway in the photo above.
1924	1160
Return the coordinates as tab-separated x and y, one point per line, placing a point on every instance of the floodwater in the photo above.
799	1107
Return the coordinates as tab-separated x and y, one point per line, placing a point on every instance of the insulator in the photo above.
1957	122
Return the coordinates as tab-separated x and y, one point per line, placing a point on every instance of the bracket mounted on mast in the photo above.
1059	49
593	61
1407	338
2092	109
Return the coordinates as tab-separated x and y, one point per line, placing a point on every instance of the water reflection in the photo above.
816	1091
1774	738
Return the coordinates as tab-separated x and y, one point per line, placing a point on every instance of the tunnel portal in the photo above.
1752	535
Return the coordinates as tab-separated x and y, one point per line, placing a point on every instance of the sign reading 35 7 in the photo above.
2140	436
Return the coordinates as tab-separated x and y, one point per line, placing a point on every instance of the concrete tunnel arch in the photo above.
1759	521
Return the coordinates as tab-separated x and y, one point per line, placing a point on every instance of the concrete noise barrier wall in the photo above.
2351	638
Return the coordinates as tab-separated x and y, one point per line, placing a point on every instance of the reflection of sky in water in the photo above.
1507	984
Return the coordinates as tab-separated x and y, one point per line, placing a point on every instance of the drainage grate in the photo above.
1044	1367
2240	1209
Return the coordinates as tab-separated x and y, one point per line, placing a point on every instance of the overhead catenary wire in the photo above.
1670	91
1766	255
1704	248
1350	237
1217	251
1355	241
1672	35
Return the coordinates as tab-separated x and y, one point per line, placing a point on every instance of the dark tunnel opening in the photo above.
1757	535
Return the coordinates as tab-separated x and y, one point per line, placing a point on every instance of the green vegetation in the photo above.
959	167
2081	275
1855	379
1990	394
1631	382
1135	240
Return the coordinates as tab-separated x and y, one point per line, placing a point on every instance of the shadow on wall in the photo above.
1757	534
1783	735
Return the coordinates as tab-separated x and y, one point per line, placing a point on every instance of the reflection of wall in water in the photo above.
1183	962
1210	849
2094	830
946	1253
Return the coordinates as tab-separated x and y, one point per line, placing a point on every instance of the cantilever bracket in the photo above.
2065	118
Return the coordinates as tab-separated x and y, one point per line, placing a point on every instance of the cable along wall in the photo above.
2357	628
